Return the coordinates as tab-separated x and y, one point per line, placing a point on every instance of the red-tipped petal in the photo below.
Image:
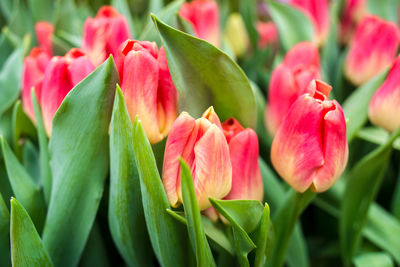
210	115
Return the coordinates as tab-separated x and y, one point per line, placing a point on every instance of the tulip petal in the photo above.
44	31
302	55
211	116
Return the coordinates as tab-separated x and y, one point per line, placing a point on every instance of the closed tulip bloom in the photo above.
236	34
268	34
104	34
32	77
148	87
204	17
352	13
310	148
243	149
202	144
372	49
384	108
61	75
318	12
44	32
289	80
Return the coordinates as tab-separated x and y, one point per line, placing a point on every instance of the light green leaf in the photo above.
373	259
125	209
206	76
355	107
27	248
23	186
377	136
79	163
293	25
261	239
200	245
363	183
4	234
169	240
386	9
42	9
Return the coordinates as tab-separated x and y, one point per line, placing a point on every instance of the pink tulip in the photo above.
268	34
372	49
204	17
384	108
61	75
243	149
318	12
104	34
202	144
34	67
44	32
147	86
289	80
310	148
353	12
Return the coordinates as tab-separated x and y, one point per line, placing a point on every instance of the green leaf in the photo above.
30	160
206	76
363	183
248	11
261	239
373	259
243	215
10	79
212	231
45	170
4	234
169	241
293	25
125	210
42	9
27	248
167	14
377	136
386	9
79	163
95	253
200	245
25	189
355	107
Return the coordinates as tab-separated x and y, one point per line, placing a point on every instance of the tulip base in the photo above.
284	222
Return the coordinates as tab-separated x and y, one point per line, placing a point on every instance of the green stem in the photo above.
284	223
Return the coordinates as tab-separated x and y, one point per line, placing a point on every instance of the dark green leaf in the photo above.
79	163
206	76
261	239
377	136
373	259
30	160
363	183
200	245
125	211
95	253
27	248
168	239
25	189
293	25
4	234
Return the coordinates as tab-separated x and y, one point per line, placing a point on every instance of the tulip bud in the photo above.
34	67
202	144
318	13
236	34
384	107
310	148
44	32
204	17
243	149
372	49
289	80
268	34
61	75
353	12
104	34
147	87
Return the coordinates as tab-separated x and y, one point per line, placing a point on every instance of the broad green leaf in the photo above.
293	25
168	238
243	215
30	161
6	47
22	127
79	163
125	209
4	234
200	245
274	195
10	79
45	171
27	248
386	9
123	7
377	136
373	259
167	14
95	253
23	186
355	107
205	76
42	9
212	231
261	239
363	183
